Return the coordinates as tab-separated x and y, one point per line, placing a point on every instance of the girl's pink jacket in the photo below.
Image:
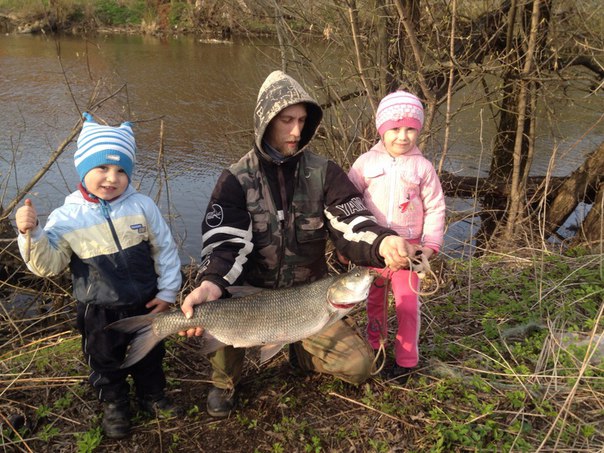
404	193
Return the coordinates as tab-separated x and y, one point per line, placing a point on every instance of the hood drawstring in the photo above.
105	206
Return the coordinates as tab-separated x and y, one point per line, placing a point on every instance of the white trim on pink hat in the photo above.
399	109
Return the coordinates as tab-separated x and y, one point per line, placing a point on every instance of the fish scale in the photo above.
258	316
267	317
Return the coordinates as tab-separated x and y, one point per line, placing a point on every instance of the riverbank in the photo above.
78	17
511	360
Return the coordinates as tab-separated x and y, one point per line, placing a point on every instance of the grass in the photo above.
105	12
90	14
502	370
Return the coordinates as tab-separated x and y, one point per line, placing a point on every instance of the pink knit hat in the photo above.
399	109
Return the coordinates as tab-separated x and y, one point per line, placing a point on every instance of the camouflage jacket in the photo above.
290	247
243	238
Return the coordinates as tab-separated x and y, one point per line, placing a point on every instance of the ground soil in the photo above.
279	410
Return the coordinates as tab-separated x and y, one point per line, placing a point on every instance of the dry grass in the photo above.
496	375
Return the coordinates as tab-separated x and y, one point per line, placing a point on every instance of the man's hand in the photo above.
395	250
205	292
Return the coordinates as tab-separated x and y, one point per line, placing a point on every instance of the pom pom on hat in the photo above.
104	145
399	109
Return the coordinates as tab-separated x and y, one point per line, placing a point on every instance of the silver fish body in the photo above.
254	316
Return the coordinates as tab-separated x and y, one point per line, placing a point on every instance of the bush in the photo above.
113	12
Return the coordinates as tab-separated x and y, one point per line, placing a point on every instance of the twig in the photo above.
8	356
352	16
372	409
27	237
51	160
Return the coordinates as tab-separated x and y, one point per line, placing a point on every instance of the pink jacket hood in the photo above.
404	193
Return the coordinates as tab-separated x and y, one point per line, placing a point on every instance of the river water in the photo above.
204	93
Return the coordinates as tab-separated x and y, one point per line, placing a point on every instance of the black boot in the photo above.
160	405
221	402
116	419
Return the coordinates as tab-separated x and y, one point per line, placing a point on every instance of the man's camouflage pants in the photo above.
339	350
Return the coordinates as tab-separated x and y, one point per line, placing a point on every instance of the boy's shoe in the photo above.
116	419
221	402
397	374
160	405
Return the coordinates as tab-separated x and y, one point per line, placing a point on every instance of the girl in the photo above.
403	191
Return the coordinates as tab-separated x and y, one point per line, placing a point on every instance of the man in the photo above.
267	224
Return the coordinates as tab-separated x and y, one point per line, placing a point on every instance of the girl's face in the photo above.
106	181
399	141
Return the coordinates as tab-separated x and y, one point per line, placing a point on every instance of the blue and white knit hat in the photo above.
104	145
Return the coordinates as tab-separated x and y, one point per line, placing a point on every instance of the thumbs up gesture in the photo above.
26	217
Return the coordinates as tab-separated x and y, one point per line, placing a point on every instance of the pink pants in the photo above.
407	304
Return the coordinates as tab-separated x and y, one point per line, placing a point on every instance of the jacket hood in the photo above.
278	92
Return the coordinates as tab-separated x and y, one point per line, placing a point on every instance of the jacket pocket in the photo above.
372	173
310	229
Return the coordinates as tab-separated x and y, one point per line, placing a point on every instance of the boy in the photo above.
123	261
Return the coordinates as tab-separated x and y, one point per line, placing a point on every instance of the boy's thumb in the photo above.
28	202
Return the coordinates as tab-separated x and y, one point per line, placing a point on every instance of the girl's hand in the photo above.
427	252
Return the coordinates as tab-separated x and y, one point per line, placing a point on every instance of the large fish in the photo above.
254	316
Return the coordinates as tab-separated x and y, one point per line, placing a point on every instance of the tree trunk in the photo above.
522	141
592	229
579	186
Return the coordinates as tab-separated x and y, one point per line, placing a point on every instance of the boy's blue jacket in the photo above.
119	261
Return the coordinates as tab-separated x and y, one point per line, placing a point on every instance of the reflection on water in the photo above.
203	92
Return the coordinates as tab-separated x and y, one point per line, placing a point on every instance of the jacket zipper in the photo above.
284	222
105	211
391	194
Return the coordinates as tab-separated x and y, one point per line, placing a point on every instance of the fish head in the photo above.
350	288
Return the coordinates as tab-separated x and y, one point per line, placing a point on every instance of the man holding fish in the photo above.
267	224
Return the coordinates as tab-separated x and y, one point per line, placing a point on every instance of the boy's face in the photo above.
106	181
400	140
285	129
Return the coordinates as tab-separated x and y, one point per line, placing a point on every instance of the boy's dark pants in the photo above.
104	351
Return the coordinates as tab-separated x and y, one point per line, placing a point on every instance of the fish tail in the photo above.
144	340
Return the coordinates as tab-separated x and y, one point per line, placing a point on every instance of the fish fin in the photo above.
210	343
242	291
133	323
268	351
336	316
144	340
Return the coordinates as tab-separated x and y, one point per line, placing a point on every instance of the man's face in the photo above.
284	131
